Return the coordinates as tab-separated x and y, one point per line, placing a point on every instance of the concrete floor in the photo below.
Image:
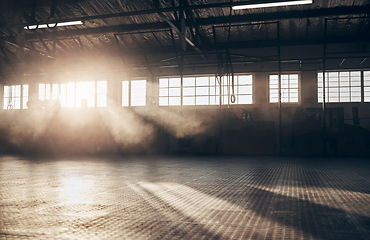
184	198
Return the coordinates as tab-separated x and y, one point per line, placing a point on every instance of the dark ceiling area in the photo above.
165	32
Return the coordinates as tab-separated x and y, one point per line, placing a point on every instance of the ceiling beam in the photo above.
313	13
283	15
243	45
295	42
13	5
306	13
126	28
179	30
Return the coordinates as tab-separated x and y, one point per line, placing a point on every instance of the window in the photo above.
76	94
367	86
340	86
24	96
137	88
15	97
289	88
204	90
44	91
85	94
169	91
101	98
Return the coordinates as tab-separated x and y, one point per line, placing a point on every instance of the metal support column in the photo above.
219	65
180	63
324	89
279	86
218	79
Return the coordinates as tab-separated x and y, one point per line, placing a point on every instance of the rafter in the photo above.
282	15
266	16
175	27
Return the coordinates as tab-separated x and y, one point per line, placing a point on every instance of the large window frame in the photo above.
290	88
204	90
75	94
340	87
134	93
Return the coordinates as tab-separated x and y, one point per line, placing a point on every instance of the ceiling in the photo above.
172	31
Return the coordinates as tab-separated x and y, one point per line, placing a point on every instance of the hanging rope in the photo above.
231	75
230	71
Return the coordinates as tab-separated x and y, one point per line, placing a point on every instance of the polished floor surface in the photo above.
184	198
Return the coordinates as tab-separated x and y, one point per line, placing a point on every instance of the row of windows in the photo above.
349	86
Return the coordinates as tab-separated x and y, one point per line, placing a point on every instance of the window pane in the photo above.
25	96
71	94
245	80
85	94
174	101
102	93
17	103
163	82
138	93
174	92
367	94
274	91
244	99
47	91
214	100
202	91
6	91
189	81
125	95
225	100
189	91
163	101
366	78
274	83
174	82
274	98
355	74
101	87
202	81
214	90
42	92
189	101
163	92
54	91
63	95
202	100
244	90
213	81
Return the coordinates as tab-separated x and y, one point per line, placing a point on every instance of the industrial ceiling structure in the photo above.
170	33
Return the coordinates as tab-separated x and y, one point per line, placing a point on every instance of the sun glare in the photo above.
85	94
75	189
75	94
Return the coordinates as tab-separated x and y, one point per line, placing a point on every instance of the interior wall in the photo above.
188	129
